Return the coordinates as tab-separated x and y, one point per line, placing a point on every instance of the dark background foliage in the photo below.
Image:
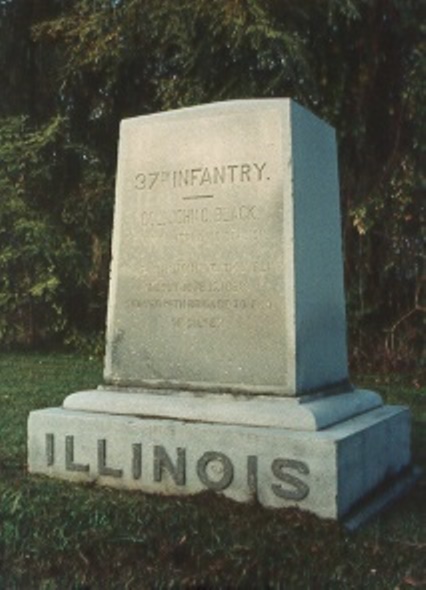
70	70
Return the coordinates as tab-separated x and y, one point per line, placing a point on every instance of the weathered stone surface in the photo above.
227	264
325	472
315	412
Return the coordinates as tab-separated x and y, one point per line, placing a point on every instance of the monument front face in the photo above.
199	297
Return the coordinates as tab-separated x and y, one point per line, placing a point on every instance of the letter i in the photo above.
50	449
137	460
252	474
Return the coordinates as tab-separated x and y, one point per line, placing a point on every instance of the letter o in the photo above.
228	471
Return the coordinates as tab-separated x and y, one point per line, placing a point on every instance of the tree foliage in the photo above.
360	64
52	221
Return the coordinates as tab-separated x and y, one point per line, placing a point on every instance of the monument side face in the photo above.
318	258
199	297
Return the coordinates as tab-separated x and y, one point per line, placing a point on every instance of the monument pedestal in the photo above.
309	412
327	472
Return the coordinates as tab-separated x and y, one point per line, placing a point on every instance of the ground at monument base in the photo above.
327	472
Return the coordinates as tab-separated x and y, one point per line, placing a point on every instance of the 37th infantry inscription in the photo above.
202	176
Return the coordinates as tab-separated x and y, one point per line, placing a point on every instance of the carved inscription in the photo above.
190	323
201	176
70	465
200	234
163	463
188	211
50	449
191	304
216	471
298	489
136	460
198	215
196	286
103	469
196	295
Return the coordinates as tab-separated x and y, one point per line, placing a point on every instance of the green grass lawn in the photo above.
57	535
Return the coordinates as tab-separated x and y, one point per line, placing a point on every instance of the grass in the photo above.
56	535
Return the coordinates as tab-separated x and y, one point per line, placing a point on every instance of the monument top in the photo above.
227	265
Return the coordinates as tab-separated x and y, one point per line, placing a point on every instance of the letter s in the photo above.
301	489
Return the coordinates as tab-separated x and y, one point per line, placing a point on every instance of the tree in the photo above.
53	262
359	64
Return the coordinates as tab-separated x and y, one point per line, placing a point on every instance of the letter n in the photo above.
162	462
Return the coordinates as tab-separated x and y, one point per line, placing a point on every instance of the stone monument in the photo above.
226	361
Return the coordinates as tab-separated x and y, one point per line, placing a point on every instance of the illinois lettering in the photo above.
174	467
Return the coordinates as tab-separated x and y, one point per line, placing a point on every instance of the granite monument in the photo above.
226	360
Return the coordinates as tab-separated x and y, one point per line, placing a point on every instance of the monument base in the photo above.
328	472
308	412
